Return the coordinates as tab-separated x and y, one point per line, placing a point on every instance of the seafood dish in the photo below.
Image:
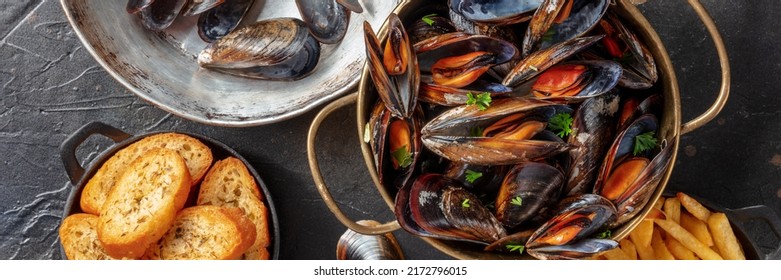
516	126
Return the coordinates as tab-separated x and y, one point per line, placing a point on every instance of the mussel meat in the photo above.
395	143
577	81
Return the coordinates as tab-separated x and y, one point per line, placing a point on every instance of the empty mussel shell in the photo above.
356	246
135	6
221	20
160	14
326	19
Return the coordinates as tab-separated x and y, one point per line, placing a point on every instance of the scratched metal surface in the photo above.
50	86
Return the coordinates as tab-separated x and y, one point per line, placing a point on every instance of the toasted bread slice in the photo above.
229	183
143	204
79	238
206	232
197	156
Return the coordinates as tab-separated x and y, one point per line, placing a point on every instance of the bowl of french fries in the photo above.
680	227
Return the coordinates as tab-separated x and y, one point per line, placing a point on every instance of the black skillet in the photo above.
79	175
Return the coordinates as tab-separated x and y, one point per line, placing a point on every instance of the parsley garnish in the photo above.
427	19
476	131
644	142
482	100
561	123
465	203
605	234
402	156
517	201
514	248
471	176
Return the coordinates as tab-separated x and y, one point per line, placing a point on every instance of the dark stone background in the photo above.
50	86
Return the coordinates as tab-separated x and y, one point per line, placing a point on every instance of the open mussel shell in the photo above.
437	206
593	130
622	45
433	49
221	20
511	243
450	96
395	143
356	246
579	17
135	6
631	109
294	68
326	19
537	62
352	5
196	7
487	181
160	14
574	82
630	186
495	11
451	134
578	223
526	189
399	91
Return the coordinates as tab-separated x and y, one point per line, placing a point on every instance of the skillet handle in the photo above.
714	109
322	188
68	147
767	215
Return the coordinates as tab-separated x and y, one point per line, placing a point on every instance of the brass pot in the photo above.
671	124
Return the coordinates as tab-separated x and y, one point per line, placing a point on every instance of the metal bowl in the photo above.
671	125
79	175
161	67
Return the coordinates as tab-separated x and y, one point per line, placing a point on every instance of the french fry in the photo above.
615	254
697	228
724	237
694	207
655	214
660	249
672	207
629	248
687	239
645	253
642	234
659	203
678	250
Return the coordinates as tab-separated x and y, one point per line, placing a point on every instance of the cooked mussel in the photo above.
500	134
457	44
196	7
437	206
495	11
356	246
450	96
326	19
395	143
577	81
430	26
632	108
561	20
593	129
568	235
221	20
279	49
527	188
394	68
630	173
160	14
537	62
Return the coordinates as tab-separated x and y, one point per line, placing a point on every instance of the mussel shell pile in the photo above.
512	126
270	49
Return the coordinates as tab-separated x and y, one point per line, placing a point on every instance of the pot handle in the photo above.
322	188
721	100
68	147
767	215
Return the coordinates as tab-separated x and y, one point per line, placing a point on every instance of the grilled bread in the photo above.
142	205
229	183
205	232
197	156
79	238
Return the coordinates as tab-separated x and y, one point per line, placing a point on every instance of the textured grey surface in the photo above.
50	86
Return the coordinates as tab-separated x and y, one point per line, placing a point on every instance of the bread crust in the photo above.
79	238
142	205
197	155
229	183
205	232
